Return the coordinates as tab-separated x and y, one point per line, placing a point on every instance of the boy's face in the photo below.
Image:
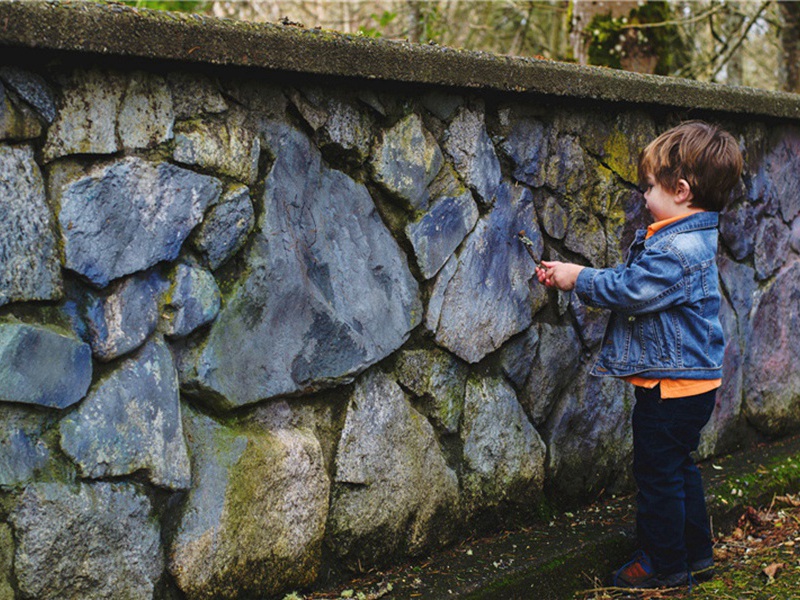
661	203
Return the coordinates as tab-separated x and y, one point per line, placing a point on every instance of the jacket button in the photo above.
631	318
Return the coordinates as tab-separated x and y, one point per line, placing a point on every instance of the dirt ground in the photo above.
759	560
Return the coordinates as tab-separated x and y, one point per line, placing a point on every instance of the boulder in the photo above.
17	121
33	89
194	94
252	523
128	215
146	116
589	438
42	366
503	454
29	263
225	228
191	301
772	356
405	161
393	493
120	318
491	295
771	246
86	541
131	421
326	290
226	144
468	143
86	122
23	452
437	382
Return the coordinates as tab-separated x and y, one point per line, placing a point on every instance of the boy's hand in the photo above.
557	274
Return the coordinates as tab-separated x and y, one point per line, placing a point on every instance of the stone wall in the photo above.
251	322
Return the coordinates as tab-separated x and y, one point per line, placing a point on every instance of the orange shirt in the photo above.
674	388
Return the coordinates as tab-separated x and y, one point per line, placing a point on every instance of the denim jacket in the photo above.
665	304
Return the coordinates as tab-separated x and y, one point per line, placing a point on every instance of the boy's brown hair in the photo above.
707	157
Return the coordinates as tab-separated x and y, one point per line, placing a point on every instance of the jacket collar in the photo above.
700	220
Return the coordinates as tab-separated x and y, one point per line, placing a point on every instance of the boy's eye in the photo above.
645	187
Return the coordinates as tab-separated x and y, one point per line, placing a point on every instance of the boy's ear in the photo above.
683	192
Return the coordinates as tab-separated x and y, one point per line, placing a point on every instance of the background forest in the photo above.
754	43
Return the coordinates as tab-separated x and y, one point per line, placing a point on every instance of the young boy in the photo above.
664	336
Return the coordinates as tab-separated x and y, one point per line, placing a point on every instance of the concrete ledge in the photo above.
117	30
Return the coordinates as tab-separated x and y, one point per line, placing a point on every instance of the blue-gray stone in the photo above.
503	454
226	144
775	181
406	160
441	230
527	146
737	229
467	141
86	122
555	219
492	295
29	265
80	541
225	228
43	367
23	452
192	300
772	357
771	246
252	525
145	116
120	318
589	438
32	88
441	104
326	292
567	171
128	215
393	491
585	236
739	283
131	421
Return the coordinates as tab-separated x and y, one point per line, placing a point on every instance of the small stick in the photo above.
528	243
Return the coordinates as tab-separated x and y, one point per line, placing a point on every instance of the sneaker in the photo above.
639	573
703	569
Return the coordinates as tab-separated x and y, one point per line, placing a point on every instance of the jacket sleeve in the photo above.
653	283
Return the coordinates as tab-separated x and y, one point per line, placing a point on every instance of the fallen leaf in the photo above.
772	570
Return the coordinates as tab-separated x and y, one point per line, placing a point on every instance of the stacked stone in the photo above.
244	324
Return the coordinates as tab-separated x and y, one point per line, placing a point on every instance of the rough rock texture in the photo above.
29	263
6	562
128	215
17	121
441	230
119	319
42	366
146	115
226	144
192	300
475	159
737	229
23	451
326	291
393	491
526	144
86	122
85	542
775	180
253	522
772	356
406	160
771	247
503	454
225	228
131	421
194	94
490	297
437	381
589	438
32	88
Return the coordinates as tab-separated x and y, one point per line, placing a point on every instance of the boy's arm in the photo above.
635	289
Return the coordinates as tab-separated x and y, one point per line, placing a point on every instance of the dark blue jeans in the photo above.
671	519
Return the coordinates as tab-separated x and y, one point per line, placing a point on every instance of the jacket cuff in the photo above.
584	284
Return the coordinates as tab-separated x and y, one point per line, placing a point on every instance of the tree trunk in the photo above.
790	42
